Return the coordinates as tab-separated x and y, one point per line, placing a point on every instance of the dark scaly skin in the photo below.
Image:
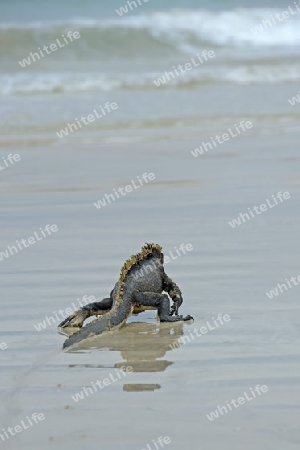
142	289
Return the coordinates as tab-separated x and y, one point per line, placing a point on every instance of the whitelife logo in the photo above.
86	120
101	384
27	242
279	17
183	340
49	320
279	286
168	76
129	188
10	160
53	47
205	146
259	209
292	101
36	417
236	403
124	9
152	266
161	441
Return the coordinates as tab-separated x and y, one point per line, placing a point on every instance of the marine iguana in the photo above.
139	288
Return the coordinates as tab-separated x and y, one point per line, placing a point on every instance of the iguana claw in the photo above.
74	320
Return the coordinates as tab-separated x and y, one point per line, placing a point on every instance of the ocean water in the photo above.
170	391
229	271
120	57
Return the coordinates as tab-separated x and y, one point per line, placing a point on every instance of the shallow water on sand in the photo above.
171	388
229	271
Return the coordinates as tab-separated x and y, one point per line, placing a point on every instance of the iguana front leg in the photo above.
161	302
174	292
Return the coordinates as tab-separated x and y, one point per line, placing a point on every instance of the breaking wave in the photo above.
130	52
55	83
182	30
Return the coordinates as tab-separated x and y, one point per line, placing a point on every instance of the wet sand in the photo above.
229	271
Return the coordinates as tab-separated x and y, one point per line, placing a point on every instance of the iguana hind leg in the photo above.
99	308
159	301
92	309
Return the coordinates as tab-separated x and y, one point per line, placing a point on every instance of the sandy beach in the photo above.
228	380
169	392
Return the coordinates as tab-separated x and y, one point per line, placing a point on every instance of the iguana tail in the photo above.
110	321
